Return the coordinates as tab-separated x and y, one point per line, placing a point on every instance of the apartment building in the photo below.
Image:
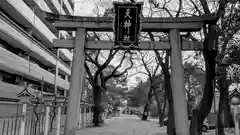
27	55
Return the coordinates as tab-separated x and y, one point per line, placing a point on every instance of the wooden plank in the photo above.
185	24
144	45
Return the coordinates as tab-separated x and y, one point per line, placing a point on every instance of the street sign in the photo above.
127	24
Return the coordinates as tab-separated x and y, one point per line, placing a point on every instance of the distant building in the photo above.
26	39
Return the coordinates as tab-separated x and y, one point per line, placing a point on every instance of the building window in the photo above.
8	78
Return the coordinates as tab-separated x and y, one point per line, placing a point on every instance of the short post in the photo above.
89	116
90	113
48	100
85	116
59	100
235	108
235	101
80	118
25	100
23	119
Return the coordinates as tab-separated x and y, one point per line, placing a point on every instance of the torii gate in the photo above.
171	25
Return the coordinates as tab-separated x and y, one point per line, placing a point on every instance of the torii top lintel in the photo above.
184	24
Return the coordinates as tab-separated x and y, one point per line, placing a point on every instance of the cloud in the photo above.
83	8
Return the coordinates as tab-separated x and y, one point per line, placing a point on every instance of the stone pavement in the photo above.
125	125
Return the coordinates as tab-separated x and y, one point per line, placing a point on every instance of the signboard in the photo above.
127	24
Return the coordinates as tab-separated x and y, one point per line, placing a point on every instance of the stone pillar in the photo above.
80	118
59	110
89	117
84	116
23	119
77	76
47	117
235	107
90	113
178	85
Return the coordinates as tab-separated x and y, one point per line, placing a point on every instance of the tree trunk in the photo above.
97	97
190	104
162	115
224	117
204	107
171	124
157	98
146	107
168	89
145	112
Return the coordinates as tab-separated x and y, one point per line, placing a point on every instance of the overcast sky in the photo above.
86	8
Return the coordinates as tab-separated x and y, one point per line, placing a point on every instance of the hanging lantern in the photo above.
235	97
48	99
60	100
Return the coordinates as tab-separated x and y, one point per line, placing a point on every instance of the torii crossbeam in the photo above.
184	24
144	45
172	26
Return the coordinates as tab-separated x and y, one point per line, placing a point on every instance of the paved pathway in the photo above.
125	125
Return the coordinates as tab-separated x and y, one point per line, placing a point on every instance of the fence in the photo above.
85	117
12	119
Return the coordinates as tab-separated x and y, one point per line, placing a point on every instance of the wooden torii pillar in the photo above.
171	25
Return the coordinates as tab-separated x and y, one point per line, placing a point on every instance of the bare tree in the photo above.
98	79
151	67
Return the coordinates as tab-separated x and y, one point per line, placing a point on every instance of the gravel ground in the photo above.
132	125
125	125
228	131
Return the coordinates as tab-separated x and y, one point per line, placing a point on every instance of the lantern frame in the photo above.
235	95
60	100
25	96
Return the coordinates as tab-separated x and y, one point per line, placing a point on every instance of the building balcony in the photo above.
71	2
14	64
18	38
56	7
69	8
23	15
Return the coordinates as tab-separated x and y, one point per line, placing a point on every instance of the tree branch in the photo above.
90	59
105	64
145	65
90	76
205	6
115	75
96	58
179	8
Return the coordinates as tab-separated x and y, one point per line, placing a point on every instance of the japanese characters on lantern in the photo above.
127	24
